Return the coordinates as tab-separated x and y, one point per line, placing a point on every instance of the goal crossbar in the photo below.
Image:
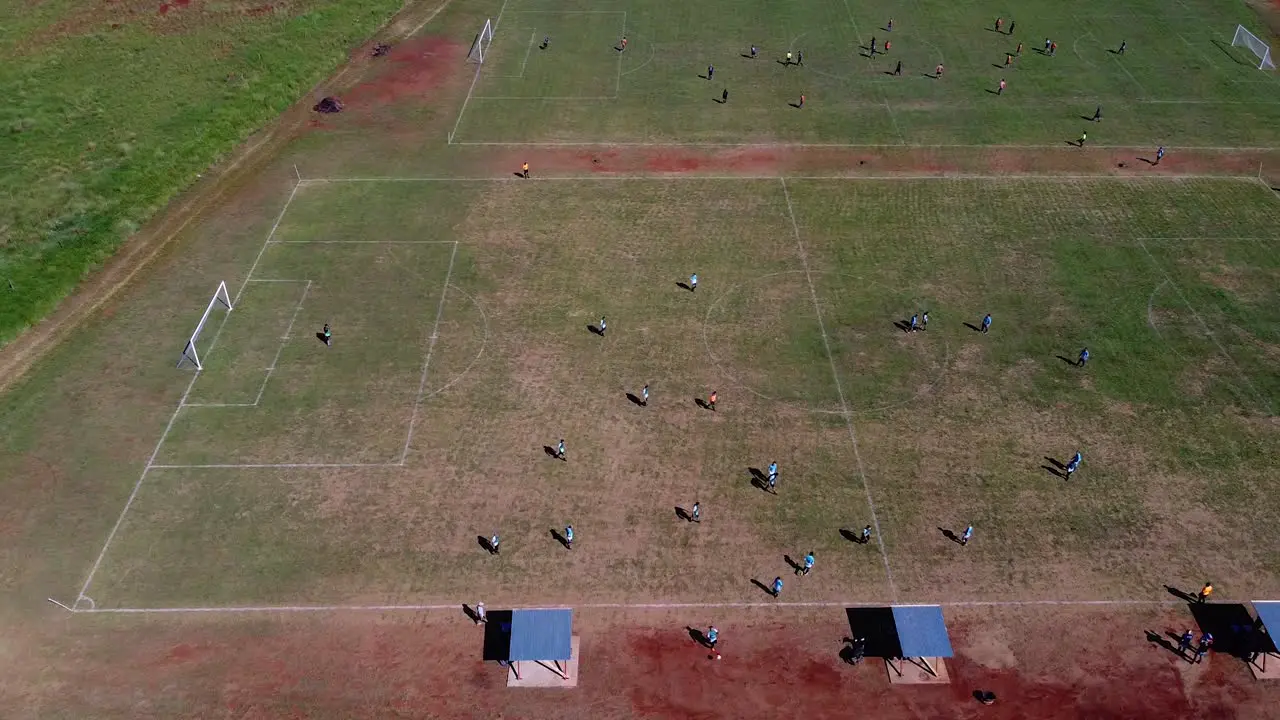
1244	38
191	352
480	48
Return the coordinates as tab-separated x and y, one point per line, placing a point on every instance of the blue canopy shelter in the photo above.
541	636
1268	623
922	633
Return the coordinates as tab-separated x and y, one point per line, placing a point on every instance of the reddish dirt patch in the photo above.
869	162
260	10
406	76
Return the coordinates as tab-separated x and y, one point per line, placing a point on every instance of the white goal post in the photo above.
1244	38
190	352
480	48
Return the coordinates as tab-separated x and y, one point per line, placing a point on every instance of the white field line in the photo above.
801	145
428	19
1199	52
1116	59
353	242
528	51
277	280
1045	177
857	36
431	347
219	405
97	563
465	102
1205	326
547	98
283	339
894	118
568	12
501	11
455	607
268	466
652	54
835	375
617	86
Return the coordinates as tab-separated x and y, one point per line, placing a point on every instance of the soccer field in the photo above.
288	476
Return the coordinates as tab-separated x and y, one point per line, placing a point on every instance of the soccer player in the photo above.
724	96
1072	465
1008	60
754	52
1097	114
800	58
693	279
328	335
623	47
1084	357
1184	643
914	323
889	27
711	71
560	451
696	515
524	170
986	323
493	543
898	70
1012	24
773	473
482	615
788	57
873	45
968	533
937	72
777	586
1018	52
1000	90
866	535
999	24
1046	45
924	320
801	101
808	563
1205	592
773	483
1206	641
644	395
1159	154
603	326
546	42
713	635
711	400
887	45
1123	45
568	537
1084	135
1053	49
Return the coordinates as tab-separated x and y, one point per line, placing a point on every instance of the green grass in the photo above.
110	113
951	426
1178	84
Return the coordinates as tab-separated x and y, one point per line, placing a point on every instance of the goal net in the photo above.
191	352
480	48
1246	39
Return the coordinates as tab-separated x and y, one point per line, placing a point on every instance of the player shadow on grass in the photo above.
852	536
1163	641
683	285
768	590
1068	360
595	330
1055	468
634	399
484	543
555	534
795	105
758	479
701	403
698	636
471	614
973	327
950	535
320	337
903	325
683	514
551	452
795	566
1181	594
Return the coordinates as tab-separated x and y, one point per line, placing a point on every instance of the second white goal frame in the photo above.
190	351
1246	39
480	48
